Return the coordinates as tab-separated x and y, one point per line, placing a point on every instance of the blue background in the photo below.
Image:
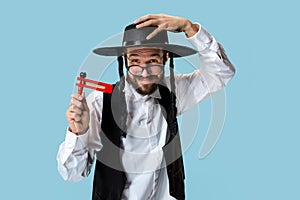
43	43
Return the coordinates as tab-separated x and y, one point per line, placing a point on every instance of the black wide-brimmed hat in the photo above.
134	37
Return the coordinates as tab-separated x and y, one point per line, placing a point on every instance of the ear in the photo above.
125	60
165	57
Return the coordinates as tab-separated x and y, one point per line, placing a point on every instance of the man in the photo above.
133	133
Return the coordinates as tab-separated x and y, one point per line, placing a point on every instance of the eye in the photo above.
134	60
153	61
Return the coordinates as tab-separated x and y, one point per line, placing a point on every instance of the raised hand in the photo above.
167	22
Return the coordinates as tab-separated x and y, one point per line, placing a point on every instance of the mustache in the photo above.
150	77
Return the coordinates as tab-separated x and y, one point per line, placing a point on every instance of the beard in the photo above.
144	89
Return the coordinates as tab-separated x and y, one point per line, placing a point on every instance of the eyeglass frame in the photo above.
147	66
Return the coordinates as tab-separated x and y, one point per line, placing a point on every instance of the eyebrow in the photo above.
152	55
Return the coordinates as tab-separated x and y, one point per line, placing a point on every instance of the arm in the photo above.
216	69
76	154
215	72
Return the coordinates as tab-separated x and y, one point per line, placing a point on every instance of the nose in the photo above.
145	73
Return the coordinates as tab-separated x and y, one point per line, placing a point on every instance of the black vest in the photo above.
109	182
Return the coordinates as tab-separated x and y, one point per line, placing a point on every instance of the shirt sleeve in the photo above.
76	154
215	72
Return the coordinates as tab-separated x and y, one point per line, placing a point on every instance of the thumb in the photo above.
84	102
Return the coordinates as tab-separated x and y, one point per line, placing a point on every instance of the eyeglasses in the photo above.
152	69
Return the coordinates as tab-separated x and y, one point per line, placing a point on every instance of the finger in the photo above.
76	117
76	103
73	127
85	106
71	116
84	102
144	18
75	109
71	121
152	22
77	96
68	116
154	33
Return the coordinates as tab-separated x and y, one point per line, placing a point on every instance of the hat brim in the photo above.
177	50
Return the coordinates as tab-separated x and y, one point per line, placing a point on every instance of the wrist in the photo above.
70	130
190	29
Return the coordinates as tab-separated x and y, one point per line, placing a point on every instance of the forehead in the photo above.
143	51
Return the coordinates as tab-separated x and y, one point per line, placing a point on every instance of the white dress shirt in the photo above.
142	156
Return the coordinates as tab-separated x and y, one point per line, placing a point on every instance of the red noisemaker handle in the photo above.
91	84
81	82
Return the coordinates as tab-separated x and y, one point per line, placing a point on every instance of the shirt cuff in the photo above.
67	147
70	140
201	40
